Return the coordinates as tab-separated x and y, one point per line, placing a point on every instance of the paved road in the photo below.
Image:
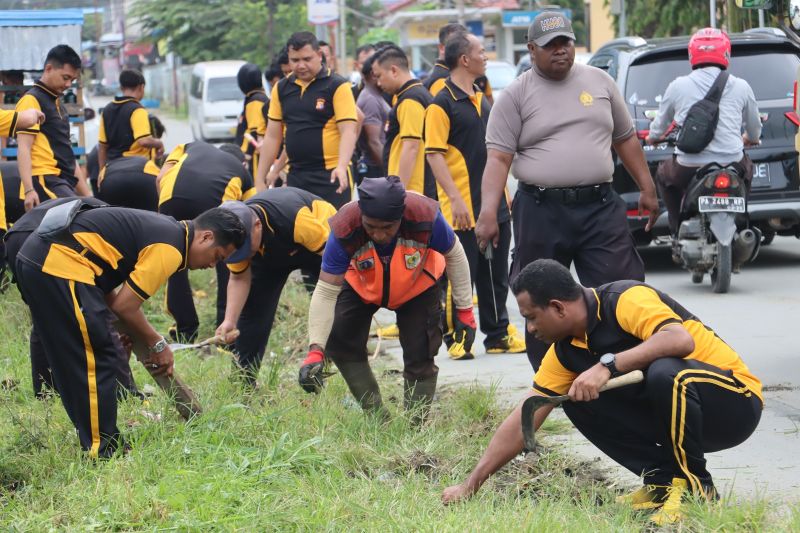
757	317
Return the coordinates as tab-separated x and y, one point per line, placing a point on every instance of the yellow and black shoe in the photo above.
513	342
672	509
645	497
389	332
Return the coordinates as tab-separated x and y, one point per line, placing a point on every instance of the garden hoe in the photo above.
533	403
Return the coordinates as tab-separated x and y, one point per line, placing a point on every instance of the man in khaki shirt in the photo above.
561	120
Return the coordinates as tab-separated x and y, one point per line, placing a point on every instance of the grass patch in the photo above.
279	459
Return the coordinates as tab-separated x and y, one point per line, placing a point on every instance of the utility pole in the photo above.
623	20
712	7
342	35
460	7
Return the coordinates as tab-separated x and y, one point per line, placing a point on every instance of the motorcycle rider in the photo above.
709	54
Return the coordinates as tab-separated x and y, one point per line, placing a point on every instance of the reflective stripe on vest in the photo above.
413	269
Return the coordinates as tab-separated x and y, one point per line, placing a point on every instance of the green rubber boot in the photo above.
418	396
363	386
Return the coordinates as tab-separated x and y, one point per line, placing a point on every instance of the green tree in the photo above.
665	18
222	29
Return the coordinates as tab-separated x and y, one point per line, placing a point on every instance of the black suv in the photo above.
768	60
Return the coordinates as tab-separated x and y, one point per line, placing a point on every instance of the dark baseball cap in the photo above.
547	26
245	214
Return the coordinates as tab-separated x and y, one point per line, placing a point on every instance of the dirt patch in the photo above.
11	482
417	462
549	473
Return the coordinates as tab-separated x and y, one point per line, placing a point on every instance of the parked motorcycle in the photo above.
708	237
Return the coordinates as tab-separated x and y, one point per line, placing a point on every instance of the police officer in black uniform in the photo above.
125	128
67	272
288	229
198	176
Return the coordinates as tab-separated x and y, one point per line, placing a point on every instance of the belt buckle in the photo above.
570	195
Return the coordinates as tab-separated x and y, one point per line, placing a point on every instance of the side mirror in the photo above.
88	113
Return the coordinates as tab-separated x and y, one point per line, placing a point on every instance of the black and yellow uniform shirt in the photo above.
292	221
620	316
407	121
51	154
254	117
435	80
204	175
310	113
123	122
455	126
116	245
8	126
254	123
128	169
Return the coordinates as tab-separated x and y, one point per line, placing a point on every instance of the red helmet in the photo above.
710	46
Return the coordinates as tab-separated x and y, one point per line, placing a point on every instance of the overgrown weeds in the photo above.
279	459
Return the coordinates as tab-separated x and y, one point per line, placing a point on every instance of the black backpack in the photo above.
700	124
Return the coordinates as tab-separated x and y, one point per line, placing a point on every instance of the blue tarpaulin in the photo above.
41	17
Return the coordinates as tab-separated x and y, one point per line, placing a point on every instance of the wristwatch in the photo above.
609	361
159	346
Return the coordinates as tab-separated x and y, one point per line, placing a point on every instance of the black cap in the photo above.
245	214
547	26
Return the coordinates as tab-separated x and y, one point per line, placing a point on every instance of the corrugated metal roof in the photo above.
40	17
26	47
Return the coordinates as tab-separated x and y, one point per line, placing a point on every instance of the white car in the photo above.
500	75
215	100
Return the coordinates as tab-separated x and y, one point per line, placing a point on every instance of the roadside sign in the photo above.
323	11
754	4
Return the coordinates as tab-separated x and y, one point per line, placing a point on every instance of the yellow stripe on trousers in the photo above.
91	374
679	412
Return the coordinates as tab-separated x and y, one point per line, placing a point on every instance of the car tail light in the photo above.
723	181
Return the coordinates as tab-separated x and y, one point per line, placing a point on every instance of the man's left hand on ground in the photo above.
457	493
587	385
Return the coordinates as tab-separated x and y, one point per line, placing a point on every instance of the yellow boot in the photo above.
671	512
645	497
389	332
511	343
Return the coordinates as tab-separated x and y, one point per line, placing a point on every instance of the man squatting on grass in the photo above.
698	395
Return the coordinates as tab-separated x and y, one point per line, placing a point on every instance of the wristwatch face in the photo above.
159	346
607	359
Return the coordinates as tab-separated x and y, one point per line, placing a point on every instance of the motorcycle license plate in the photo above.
710	204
